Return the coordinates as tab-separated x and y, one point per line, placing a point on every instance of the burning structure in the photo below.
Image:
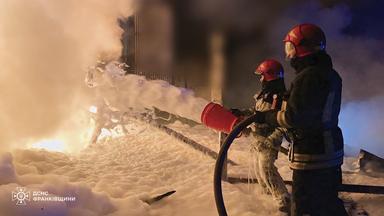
211	47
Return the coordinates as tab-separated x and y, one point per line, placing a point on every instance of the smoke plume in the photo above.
45	46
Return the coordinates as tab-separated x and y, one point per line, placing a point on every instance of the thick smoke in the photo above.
358	59
363	126
45	45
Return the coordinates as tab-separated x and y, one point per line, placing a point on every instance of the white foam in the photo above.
122	92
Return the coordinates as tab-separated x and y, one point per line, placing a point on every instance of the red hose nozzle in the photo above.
217	117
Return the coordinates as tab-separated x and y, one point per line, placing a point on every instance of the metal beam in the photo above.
350	188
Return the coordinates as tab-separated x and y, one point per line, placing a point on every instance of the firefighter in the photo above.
268	139
311	118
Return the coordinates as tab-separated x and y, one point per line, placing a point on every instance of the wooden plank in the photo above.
158	198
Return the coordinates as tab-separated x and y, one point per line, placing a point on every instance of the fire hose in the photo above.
220	163
351	188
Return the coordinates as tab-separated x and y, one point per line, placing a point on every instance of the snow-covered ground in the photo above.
113	176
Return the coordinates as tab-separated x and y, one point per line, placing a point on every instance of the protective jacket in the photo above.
267	143
270	136
311	114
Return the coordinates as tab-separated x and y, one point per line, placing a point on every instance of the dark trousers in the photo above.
314	193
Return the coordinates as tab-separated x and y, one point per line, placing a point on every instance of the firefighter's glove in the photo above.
236	112
260	117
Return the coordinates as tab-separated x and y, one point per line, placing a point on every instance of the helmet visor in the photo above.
290	50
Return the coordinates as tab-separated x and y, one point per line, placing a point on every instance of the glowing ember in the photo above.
50	145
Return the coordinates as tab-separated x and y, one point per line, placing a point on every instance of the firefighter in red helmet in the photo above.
311	118
267	139
303	40
270	70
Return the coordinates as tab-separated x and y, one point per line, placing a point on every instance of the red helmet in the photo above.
304	39
270	69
